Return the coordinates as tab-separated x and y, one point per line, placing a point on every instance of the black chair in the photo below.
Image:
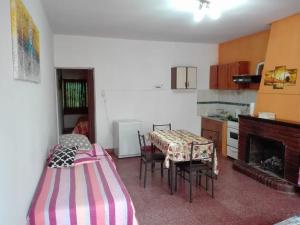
196	168
148	156
166	126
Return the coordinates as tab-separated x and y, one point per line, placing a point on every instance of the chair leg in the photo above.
200	181
162	169
206	187
212	187
191	187
141	169
145	175
169	178
152	166
175	179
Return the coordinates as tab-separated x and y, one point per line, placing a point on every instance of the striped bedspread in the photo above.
91	193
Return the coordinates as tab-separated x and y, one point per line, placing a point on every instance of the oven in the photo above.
232	139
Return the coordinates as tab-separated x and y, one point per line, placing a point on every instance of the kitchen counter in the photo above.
215	129
221	118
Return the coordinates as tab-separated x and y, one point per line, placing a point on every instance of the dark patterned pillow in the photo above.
63	157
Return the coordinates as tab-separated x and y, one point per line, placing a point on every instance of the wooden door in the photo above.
223	76
192	77
91	105
213	77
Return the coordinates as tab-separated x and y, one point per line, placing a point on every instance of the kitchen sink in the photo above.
223	117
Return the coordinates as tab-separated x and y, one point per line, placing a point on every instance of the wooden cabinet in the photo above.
216	131
213	77
236	68
184	77
221	76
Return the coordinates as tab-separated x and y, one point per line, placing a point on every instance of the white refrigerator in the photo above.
125	137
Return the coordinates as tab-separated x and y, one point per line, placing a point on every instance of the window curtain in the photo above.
75	94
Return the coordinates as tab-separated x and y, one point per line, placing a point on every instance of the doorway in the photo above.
75	99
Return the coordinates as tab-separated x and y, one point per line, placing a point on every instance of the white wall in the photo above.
27	118
126	72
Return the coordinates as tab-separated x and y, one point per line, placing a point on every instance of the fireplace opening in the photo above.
266	154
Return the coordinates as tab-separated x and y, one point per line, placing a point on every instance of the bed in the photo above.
89	193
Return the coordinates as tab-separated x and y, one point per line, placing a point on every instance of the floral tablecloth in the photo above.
176	145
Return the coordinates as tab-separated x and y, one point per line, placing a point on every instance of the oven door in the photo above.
232	137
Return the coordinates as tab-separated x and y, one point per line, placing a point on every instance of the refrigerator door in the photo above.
125	138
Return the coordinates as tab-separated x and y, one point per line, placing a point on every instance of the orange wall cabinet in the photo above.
236	68
213	79
221	75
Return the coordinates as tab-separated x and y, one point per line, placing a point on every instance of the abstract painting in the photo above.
25	43
281	77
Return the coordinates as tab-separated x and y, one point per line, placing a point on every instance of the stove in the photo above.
232	139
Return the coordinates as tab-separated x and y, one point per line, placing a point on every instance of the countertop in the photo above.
220	118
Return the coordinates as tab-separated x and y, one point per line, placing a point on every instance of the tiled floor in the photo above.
238	199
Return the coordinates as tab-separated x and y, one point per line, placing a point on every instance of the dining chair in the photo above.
166	126
196	168
148	157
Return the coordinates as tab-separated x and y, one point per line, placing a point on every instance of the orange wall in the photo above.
250	48
283	49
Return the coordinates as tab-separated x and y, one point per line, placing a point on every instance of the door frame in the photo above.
91	100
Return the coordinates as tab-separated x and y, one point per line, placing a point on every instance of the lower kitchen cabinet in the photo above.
215	130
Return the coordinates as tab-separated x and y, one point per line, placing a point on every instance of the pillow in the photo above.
70	140
63	157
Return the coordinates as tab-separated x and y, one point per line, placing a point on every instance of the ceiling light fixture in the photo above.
202	8
206	7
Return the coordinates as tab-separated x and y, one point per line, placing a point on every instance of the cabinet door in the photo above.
213	77
181	77
211	135
192	77
233	69
223	76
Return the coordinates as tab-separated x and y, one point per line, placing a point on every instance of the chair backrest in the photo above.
195	144
166	126
142	143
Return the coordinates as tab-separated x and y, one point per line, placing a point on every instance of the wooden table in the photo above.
176	145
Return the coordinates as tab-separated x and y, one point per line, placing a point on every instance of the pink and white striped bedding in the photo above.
87	194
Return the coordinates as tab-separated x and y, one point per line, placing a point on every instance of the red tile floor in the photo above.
238	199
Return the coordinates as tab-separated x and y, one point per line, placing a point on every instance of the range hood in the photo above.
246	78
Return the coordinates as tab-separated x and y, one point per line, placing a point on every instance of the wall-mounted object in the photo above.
280	77
246	79
260	68
222	76
266	115
25	43
183	77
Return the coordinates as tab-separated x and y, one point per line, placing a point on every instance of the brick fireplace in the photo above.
269	151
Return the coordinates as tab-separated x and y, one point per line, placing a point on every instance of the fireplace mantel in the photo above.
286	132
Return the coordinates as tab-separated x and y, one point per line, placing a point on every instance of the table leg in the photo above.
171	176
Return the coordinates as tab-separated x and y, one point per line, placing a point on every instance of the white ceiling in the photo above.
158	20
